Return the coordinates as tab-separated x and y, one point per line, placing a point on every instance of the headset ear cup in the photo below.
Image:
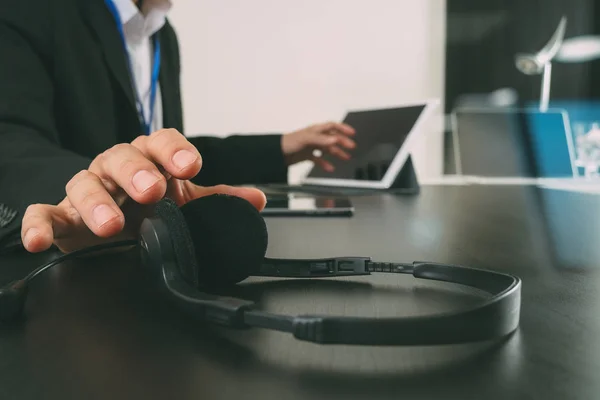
181	240
230	237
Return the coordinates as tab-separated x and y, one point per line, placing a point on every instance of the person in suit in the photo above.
90	107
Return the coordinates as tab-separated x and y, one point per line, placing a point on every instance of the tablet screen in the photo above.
379	136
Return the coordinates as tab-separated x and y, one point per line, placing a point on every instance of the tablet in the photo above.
384	139
302	205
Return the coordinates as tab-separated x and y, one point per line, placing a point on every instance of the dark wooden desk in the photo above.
96	330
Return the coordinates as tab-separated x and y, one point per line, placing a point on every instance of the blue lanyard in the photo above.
146	124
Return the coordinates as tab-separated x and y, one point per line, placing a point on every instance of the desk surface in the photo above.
95	329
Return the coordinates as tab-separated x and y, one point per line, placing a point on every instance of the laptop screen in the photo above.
513	143
379	136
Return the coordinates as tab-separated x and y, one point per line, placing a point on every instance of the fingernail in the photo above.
103	214
144	180
30	235
184	158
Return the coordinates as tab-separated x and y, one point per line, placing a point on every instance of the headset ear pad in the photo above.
219	240
230	238
181	241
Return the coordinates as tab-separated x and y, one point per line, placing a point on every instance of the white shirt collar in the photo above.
153	19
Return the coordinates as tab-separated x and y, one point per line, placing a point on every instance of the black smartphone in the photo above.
302	205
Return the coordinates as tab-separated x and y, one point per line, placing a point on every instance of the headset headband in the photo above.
495	317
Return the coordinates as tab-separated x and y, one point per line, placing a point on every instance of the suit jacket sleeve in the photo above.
33	167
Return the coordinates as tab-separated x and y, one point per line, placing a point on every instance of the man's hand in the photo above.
331	138
111	198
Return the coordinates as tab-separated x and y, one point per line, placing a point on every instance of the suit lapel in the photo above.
169	79
102	23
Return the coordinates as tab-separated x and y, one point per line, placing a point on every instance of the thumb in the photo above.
254	196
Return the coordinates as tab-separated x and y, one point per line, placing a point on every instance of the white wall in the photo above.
278	65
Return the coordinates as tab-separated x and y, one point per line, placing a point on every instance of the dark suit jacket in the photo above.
66	96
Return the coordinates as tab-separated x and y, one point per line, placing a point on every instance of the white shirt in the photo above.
139	28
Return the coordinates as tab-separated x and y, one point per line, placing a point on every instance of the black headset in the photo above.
219	240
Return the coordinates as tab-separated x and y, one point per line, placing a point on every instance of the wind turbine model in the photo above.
541	62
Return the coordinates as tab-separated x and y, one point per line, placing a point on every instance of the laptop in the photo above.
384	138
513	145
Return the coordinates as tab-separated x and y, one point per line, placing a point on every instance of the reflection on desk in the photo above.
96	329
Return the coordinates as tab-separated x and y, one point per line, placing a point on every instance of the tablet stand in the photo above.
406	183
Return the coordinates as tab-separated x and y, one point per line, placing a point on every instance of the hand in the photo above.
331	138
111	198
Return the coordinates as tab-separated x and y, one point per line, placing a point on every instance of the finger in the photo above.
339	153
97	208
173	152
36	228
141	143
256	197
320	140
345	141
323	164
132	171
323	141
175	191
341	127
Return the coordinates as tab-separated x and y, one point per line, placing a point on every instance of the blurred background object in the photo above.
579	49
269	66
485	41
540	63
586	128
513	143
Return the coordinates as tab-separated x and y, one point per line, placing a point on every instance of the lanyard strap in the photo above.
146	123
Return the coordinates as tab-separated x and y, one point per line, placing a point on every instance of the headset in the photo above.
217	241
